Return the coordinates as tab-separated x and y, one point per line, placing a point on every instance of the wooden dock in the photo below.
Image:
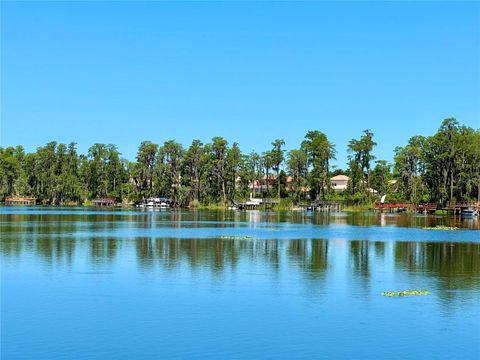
325	205
104	201
393	206
452	208
426	208
456	208
256	204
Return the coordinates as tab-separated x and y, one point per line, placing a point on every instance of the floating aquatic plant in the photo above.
440	227
233	237
405	293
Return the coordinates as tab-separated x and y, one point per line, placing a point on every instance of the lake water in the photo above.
87	284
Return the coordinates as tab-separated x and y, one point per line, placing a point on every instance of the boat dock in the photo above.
325	205
452	208
102	201
393	206
256	204
20	200
426	208
457	208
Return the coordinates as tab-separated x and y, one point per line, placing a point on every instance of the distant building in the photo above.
264	183
339	182
289	186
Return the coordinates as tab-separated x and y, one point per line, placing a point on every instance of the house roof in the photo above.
340	177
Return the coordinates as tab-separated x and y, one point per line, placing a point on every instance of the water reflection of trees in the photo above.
455	265
447	261
69	222
49	248
103	250
309	255
216	254
360	257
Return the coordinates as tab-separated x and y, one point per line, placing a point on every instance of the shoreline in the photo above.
222	208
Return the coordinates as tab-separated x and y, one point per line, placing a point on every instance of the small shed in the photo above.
104	201
20	200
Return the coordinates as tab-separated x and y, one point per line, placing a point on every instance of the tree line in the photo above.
438	168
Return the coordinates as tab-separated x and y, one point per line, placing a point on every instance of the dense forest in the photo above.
438	168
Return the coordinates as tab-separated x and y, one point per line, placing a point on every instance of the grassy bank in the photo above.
219	206
358	208
283	205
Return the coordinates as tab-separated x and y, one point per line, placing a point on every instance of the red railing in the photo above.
393	205
426	207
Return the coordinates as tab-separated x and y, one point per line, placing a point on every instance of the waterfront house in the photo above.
264	183
339	182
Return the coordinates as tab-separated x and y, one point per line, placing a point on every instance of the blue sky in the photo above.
120	72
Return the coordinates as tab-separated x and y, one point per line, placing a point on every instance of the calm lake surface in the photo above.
84	284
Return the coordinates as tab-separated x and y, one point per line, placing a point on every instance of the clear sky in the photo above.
120	72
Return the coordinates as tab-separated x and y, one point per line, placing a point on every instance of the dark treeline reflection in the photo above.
58	219
455	265
360	257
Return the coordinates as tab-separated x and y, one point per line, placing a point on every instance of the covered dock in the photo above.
20	200
325	205
104	201
256	203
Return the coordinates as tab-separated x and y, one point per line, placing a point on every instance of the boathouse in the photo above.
104	201
20	200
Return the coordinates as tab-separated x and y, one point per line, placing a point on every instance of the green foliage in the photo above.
283	205
144	170
441	227
439	168
405	293
380	177
358	208
168	171
319	152
297	164
360	158
277	155
235	237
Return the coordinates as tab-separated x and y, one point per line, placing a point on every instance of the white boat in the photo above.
155	203
469	212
